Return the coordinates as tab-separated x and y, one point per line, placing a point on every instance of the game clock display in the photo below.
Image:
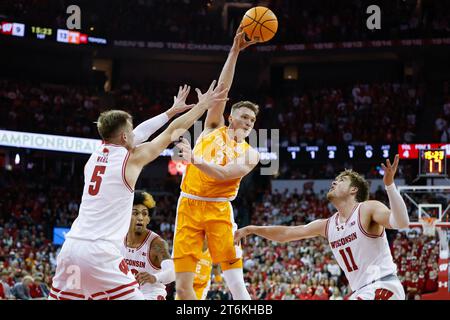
42	30
433	163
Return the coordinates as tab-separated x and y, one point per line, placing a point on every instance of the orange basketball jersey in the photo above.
219	148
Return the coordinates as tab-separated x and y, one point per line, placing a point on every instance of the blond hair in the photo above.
110	122
246	104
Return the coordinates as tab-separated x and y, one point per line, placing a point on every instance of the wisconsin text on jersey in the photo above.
134	263
343	241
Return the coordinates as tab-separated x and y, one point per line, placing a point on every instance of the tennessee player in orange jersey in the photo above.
220	159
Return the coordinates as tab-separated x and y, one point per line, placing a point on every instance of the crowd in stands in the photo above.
303	116
32	206
206	21
442	121
356	112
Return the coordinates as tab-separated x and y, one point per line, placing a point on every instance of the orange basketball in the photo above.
260	24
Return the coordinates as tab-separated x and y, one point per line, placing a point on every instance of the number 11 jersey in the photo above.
363	257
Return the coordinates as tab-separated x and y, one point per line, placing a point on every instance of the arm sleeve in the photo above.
167	273
399	214
143	131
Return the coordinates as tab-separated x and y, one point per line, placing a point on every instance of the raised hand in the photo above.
179	102
213	96
240	42
390	170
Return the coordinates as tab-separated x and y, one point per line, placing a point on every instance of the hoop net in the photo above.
429	209
429	226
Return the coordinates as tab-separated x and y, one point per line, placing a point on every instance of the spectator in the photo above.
304	294
431	284
22	289
336	294
39	289
320	294
5	289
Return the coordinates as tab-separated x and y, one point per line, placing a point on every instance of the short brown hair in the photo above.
111	121
356	180
246	104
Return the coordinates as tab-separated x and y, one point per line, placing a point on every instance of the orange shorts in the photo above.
197	219
201	287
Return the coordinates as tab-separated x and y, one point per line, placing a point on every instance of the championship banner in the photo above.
285	47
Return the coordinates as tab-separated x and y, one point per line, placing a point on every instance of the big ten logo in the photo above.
74	280
74	20
374	20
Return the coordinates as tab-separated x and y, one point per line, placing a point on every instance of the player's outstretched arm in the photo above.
214	117
147	152
284	233
397	217
239	168
143	131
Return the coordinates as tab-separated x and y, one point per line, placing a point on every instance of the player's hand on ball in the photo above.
179	102
390	170
185	151
144	277
213	96
240	42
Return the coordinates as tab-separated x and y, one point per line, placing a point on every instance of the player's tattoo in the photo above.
159	251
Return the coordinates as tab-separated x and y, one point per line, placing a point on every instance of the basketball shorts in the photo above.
152	292
201	289
391	289
197	219
93	270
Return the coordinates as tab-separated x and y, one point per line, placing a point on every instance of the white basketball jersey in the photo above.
107	202
138	260
362	256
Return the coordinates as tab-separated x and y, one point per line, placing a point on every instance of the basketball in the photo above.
260	24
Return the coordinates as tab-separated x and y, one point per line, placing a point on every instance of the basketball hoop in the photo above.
429	226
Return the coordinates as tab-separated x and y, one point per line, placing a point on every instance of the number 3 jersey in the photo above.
363	257
107	202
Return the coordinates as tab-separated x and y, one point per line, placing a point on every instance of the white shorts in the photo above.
93	270
155	291
155	296
381	290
